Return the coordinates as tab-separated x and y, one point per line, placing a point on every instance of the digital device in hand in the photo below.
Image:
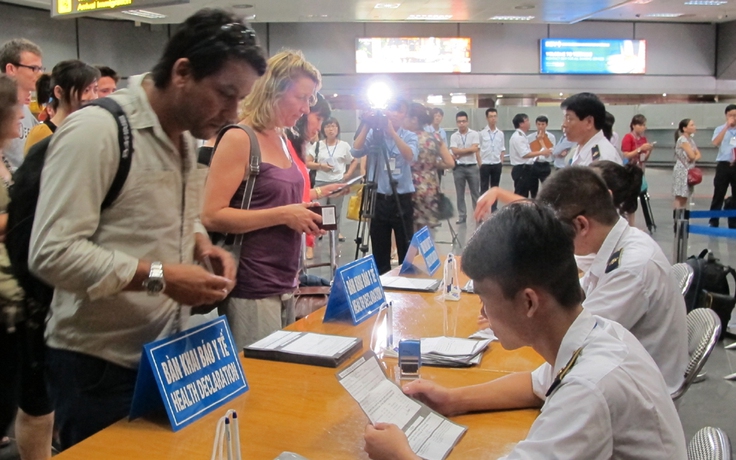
329	216
349	183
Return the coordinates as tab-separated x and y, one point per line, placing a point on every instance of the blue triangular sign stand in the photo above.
421	244
356	292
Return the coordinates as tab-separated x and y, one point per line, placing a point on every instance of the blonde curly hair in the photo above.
282	70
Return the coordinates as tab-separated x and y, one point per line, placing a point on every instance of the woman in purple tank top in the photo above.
261	301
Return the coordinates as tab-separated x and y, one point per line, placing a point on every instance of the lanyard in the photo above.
463	138
331	154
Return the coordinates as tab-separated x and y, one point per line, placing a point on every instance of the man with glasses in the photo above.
21	60
123	276
626	276
583	121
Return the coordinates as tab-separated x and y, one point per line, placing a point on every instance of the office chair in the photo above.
709	444
703	329
684	273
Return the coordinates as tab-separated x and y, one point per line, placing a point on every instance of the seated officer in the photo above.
601	394
627	277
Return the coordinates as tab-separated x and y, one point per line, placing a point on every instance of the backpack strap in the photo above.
125	143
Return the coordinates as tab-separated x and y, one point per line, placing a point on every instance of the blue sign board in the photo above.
421	244
592	56
192	373
356	292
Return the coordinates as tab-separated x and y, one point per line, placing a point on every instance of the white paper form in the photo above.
431	436
452	346
305	343
409	284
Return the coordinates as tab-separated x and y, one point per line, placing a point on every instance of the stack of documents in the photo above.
401	283
305	348
450	351
431	436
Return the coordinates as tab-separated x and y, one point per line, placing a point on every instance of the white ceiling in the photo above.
477	11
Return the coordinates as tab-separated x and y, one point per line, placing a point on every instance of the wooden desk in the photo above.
303	409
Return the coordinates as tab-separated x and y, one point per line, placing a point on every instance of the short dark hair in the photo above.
106	71
518	119
43	89
490	110
438	110
330	121
586	105
542	119
525	246
298	134
576	191
461	113
608	125
8	102
420	112
729	107
639	119
209	39
11	51
624	182
72	76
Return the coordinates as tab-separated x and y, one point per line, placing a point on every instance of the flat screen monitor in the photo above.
588	56
412	55
71	8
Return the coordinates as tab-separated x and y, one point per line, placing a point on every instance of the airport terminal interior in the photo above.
668	60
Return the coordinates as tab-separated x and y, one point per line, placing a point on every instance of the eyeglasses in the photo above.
235	34
34	68
311	99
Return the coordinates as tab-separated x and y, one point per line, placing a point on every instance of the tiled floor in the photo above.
712	402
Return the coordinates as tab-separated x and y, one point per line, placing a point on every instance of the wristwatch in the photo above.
155	283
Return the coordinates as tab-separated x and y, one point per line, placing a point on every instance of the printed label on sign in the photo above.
356	292
195	371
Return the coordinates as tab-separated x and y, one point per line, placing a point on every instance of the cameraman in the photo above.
401	146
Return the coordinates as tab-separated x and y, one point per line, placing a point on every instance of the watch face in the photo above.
154	286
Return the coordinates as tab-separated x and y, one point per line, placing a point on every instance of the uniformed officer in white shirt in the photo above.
541	168
492	150
465	147
601	395
584	118
627	277
521	156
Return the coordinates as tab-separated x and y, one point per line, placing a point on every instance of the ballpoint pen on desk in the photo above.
227	438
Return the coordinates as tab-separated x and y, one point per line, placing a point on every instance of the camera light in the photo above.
378	94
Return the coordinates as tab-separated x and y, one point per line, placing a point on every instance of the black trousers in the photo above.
490	176
725	176
523	179
90	393
540	173
386	221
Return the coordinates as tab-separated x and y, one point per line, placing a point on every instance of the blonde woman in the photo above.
272	227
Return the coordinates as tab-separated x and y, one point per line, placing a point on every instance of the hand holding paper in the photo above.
387	441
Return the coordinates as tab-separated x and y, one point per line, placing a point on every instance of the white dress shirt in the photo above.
612	404
542	159
492	146
605	151
632	283
518	147
464	141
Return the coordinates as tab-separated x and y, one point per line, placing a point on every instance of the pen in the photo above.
390	324
236	429
228	439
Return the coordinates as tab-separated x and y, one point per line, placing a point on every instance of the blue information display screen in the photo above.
586	56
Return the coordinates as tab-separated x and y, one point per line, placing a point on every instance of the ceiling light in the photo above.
706	2
250	17
499	96
560	94
435	99
144	14
334	95
664	94
429	17
458	98
511	18
390	6
317	16
664	15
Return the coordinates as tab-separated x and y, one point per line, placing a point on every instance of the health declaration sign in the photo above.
191	373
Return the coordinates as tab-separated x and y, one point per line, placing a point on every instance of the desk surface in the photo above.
303	409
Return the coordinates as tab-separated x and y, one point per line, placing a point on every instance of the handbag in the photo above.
233	243
354	205
694	176
445	209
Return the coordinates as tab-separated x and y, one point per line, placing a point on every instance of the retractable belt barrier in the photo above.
683	229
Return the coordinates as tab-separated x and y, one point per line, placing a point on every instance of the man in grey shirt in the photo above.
126	276
22	61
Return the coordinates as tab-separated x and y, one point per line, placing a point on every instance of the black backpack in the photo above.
709	288
24	198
